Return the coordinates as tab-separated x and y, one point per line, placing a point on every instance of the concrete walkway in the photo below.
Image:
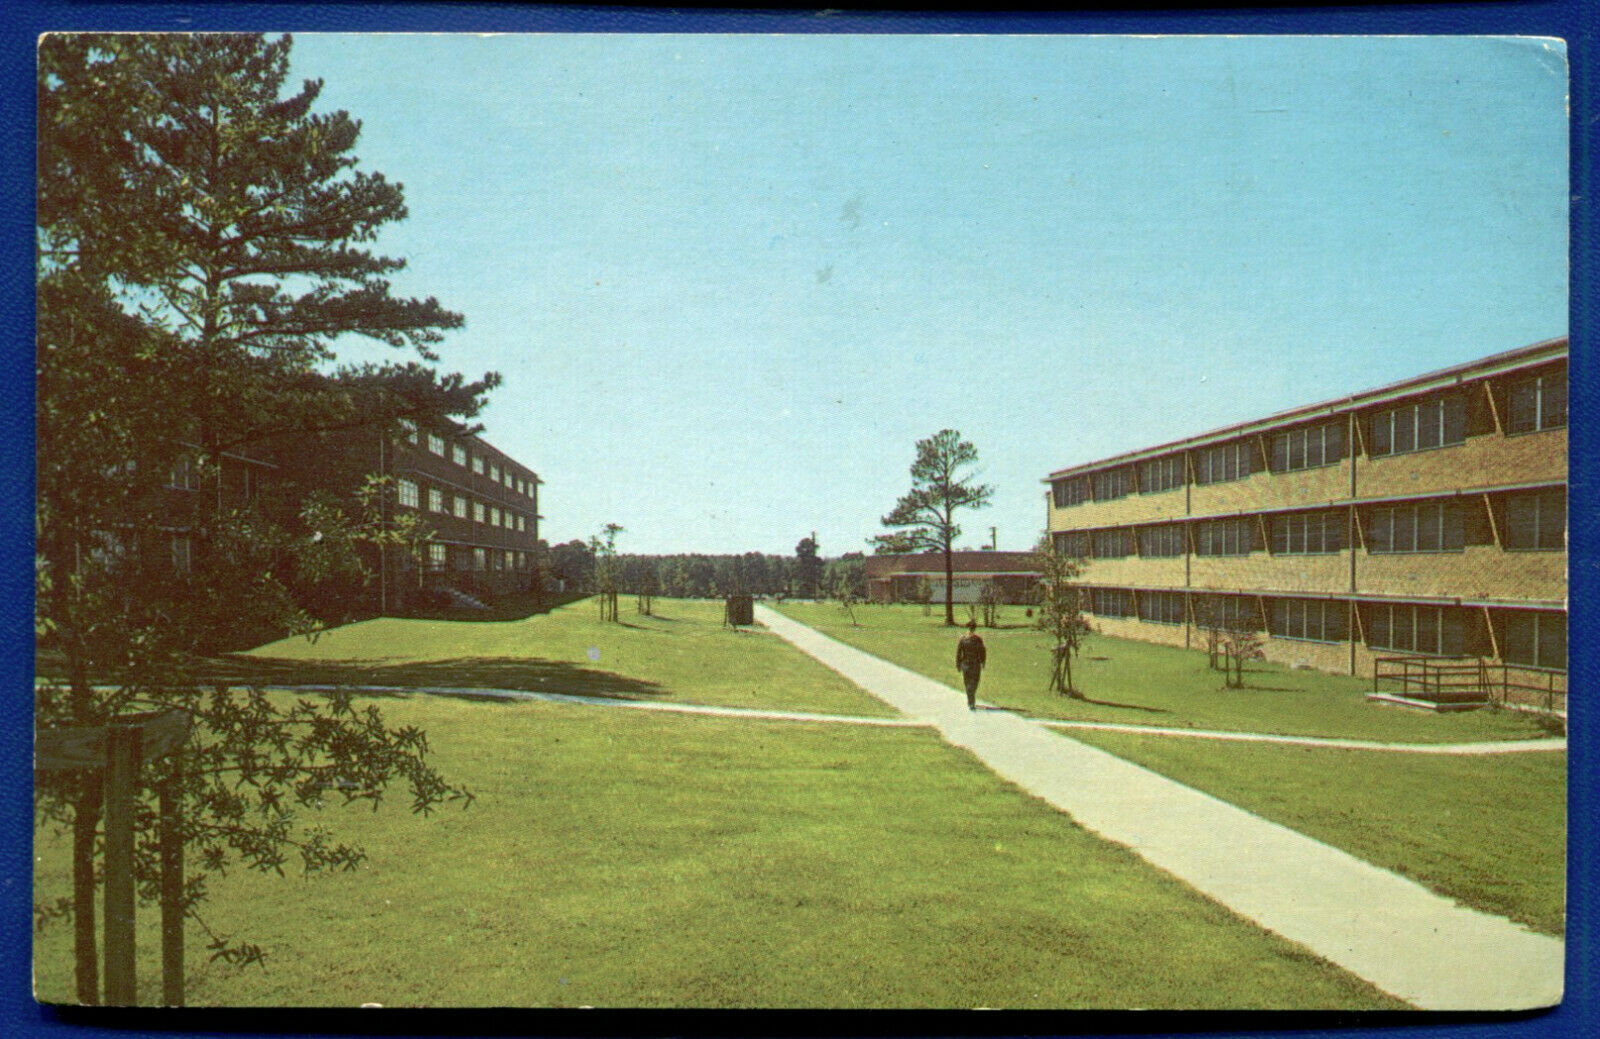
1393	932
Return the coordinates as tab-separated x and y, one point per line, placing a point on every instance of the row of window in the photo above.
1536	638
476	557
1526	521
458	453
460	506
1531	404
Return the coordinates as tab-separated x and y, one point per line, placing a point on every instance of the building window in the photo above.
436	444
522	522
461	557
1113	544
461	507
480	464
1163	540
1422	426
1535	638
1071	543
1427	526
182	554
1536	521
494	473
1308	533
183	476
1308	448
408	493
1227	612
1110	484
1317	620
1161	607
1111	602
1409	628
477	512
458	455
438	555
1071	492
1537	403
1161	474
480	559
435	500
494	516
1233	461
1226	537
510	559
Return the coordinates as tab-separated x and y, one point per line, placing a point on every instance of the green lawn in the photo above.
681	653
620	858
1488	831
1140	683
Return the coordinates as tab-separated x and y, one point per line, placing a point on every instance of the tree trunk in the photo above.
949	588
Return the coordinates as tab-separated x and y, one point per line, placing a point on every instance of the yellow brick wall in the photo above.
1307	487
1322	656
1135	508
1320	573
1143	631
1478	572
1135	572
1483	461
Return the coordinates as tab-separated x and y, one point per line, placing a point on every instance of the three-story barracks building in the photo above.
1424	518
482	505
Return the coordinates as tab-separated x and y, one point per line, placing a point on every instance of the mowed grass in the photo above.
1489	831
621	858
1140	683
683	653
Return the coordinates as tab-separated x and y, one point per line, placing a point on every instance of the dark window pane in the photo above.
1383	433
1427	640
1553	641
1455	419
1523	407
1381	531
1334	442
1405	429
1297	450
1430	419
1553	409
1430	528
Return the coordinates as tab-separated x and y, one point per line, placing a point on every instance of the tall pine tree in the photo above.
203	244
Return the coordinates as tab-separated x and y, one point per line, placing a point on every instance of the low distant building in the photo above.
902	578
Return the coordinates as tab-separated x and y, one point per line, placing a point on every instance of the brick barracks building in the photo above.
481	503
1425	521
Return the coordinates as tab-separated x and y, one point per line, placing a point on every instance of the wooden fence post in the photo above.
123	746
172	887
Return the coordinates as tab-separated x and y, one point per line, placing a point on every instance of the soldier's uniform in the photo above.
971	655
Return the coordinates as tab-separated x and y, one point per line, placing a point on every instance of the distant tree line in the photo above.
694	575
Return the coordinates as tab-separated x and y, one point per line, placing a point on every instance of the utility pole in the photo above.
994	539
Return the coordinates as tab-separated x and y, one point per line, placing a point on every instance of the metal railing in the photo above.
1438	679
1468	679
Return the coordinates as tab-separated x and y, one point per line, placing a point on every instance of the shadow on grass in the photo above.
536	676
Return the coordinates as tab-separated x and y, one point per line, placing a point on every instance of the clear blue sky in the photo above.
730	280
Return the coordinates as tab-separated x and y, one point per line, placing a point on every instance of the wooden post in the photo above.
172	889
123	746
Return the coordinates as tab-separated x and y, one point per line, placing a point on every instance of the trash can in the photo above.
741	610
